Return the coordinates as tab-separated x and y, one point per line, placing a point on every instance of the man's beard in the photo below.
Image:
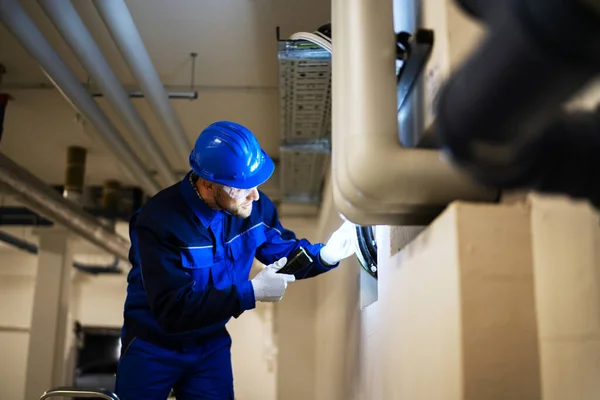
236	211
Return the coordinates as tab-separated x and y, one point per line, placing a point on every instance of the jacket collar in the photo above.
204	213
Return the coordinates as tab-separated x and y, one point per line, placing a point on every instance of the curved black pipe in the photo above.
367	247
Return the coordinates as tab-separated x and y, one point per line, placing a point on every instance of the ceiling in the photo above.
236	76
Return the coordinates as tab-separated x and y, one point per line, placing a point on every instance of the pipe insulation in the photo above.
23	28
68	22
118	20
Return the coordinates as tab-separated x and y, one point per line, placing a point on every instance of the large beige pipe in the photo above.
375	180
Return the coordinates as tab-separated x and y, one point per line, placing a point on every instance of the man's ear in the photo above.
206	184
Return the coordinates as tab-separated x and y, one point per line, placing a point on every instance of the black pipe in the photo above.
18	243
137	94
23	216
3	103
19	216
33	249
497	111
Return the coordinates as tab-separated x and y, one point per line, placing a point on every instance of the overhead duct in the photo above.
45	200
22	27
118	20
375	180
73	30
75	174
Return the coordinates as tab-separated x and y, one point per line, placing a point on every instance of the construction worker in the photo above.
192	247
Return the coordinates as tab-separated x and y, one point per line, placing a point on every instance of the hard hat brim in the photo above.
261	176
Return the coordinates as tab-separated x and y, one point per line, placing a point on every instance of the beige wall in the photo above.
566	255
490	301
347	345
17	279
101	299
295	328
460	312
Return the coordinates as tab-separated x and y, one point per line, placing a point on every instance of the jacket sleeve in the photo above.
177	307
282	242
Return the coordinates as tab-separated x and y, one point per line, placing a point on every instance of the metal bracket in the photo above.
193	77
414	51
367	249
4	99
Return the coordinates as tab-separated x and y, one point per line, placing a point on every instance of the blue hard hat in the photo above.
228	153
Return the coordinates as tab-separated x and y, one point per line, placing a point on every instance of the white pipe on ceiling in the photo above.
23	28
118	20
74	32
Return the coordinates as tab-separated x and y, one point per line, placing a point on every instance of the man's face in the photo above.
237	206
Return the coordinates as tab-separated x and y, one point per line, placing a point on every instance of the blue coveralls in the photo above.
189	276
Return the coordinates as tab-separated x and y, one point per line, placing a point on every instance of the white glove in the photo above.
340	244
269	285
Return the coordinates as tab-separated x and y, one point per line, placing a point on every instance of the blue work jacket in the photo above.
191	264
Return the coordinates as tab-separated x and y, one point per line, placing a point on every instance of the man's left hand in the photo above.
340	244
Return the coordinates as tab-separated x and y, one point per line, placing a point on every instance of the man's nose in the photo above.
254	195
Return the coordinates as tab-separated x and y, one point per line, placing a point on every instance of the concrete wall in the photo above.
347	365
566	265
460	312
17	281
295	328
488	302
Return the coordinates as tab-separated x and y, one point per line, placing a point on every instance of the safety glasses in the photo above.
237	193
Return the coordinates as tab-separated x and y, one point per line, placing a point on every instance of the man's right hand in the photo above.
269	286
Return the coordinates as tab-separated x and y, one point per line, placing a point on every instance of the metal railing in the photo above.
72	392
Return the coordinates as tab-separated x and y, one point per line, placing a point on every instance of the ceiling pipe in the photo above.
376	181
63	15
23	28
176	92
137	94
38	196
118	20
32	248
21	216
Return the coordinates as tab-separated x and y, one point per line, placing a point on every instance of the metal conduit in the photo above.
74	32
23	28
48	202
118	20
